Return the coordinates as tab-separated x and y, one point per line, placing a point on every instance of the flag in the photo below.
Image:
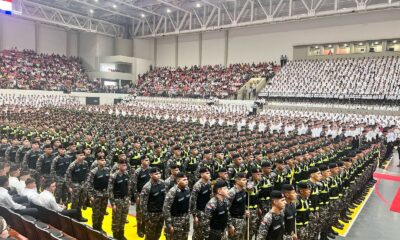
6	6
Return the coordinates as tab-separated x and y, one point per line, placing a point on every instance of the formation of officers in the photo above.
227	192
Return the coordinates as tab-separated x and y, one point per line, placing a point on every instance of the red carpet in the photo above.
396	202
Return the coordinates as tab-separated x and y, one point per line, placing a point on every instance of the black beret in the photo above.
339	163
177	148
303	185
122	161
180	175
323	167
332	165
222	170
219	184
279	161
154	170
204	169
235	156
240	175
276	195
265	164
207	151
346	159
313	170
143	157
173	166
255	170
287	187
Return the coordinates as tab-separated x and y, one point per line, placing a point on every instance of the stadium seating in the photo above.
200	82
362	78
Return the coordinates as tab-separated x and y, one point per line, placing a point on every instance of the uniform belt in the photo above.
252	207
265	198
334	198
180	215
302	224
314	209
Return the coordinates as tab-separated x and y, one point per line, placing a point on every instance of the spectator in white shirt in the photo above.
15	184
7	201
4	229
4	168
47	200
30	191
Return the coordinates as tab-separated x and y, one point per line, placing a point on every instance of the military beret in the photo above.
265	164
222	170
154	170
204	170
323	167
255	170
332	165
279	161
276	195
303	185
313	170
207	151
219	184
236	155
287	187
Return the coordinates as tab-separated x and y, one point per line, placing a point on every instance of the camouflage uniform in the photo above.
10	154
272	225
97	187
3	149
201	194
119	188
58	169
253	208
191	164
302	218
217	218
76	176
20	154
43	166
151	200
176	212
29	162
237	199
140	178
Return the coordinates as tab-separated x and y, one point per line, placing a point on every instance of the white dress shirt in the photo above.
31	194
15	184
48	200
6	200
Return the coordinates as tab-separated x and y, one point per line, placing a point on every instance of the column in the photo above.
176	51
226	48
200	48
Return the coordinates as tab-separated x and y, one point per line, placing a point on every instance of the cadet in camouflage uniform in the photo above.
43	164
76	176
171	180
253	189
11	152
30	161
3	148
315	202
176	210
273	224
217	216
266	187
97	187
191	164
58	170
237	198
151	200
20	154
201	194
119	188
140	178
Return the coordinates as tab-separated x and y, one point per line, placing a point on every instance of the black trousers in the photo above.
215	234
33	212
72	213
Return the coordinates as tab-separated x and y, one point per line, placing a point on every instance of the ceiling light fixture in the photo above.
198	5
143	16
114	6
91	11
168	10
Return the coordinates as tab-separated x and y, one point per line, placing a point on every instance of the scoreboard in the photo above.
6	6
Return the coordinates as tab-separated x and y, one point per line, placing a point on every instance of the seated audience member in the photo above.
4	168
8	233
7	201
47	200
15	184
30	191
23	177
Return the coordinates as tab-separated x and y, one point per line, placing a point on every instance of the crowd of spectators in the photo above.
374	78
200	82
27	69
38	101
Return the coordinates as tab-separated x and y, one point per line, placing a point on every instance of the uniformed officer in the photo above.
20	154
191	163
151	200
290	211
176	159
30	161
171	180
3	148
303	211
315	202
157	160
43	164
140	177
266	186
11	151
58	169
97	187
272	226
176	210
119	189
253	189
237	209
76	175
201	194
217	217
224	176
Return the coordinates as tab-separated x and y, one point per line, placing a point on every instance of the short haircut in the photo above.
3	181
48	182
29	181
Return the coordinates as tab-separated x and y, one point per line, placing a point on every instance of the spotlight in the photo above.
168	10
198	5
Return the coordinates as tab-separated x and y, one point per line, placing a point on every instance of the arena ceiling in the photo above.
152	18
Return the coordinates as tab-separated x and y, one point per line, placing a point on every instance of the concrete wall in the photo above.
188	50
268	42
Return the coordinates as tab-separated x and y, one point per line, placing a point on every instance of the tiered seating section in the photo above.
199	82
365	78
